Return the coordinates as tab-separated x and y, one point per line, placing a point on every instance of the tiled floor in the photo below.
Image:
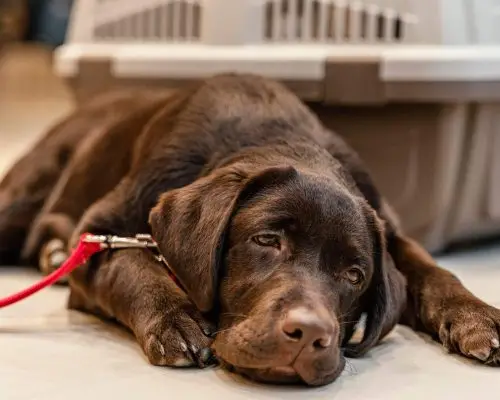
47	352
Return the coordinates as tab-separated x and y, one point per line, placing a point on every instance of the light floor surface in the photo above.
47	352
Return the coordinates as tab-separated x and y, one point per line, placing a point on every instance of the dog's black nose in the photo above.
304	327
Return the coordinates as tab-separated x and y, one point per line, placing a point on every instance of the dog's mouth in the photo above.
260	350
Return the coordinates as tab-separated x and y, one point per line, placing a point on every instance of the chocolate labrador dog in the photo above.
270	222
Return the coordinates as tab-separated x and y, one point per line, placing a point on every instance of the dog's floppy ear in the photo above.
385	299
190	223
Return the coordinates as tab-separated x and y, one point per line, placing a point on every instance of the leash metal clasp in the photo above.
140	241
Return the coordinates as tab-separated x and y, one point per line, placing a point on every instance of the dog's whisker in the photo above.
350	368
223	330
235	315
342	323
348	312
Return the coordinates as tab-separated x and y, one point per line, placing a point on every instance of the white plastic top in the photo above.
437	63
405	63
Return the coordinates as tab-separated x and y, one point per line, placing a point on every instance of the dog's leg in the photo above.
132	287
90	175
27	185
98	164
440	305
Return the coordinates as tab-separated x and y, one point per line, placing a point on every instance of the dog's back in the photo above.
115	134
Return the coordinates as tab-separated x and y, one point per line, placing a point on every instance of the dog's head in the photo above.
289	259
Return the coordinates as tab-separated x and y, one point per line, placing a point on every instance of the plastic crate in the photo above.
477	210
401	80
286	39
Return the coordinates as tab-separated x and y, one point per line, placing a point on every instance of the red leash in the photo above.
87	246
80	255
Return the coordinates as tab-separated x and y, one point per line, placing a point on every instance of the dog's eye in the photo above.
267	240
354	275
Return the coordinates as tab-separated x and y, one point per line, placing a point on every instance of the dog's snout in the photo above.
305	327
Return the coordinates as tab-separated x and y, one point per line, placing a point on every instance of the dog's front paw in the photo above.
180	337
472	329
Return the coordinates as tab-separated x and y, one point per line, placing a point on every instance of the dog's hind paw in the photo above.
52	256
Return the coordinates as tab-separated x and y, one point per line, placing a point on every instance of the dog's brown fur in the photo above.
259	209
